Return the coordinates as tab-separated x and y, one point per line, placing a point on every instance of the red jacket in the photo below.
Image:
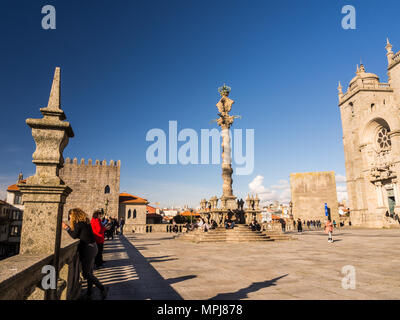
98	230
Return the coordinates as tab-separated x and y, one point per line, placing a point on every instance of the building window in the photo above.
14	231
351	108
16	215
107	189
17	199
383	139
134	213
129	213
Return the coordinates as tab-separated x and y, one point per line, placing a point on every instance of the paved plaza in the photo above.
156	266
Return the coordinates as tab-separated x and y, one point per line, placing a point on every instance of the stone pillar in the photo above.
378	186
44	193
228	200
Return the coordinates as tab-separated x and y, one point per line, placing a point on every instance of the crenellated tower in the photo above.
95	185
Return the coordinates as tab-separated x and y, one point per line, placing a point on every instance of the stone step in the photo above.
241	233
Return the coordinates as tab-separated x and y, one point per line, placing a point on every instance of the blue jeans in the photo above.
231	227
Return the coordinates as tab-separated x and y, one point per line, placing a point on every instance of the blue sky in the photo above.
131	66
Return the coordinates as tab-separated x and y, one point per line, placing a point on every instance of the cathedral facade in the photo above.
370	113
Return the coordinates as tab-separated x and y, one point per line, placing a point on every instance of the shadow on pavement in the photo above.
130	276
243	293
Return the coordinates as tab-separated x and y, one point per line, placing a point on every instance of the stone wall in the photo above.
310	192
21	275
88	183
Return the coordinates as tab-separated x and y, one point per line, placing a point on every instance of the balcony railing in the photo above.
21	275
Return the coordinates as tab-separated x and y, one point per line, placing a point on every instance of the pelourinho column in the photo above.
44	193
228	200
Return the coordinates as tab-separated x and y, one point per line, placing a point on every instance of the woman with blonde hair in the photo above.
81	229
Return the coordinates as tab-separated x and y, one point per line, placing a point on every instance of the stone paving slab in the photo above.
156	266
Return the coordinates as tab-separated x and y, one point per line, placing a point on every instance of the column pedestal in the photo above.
41	228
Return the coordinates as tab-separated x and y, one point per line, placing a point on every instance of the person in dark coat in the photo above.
299	226
81	229
121	225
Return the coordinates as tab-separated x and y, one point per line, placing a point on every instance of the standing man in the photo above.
299	226
121	225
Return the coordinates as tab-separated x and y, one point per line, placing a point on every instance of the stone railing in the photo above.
21	275
365	86
154	228
396	56
271	226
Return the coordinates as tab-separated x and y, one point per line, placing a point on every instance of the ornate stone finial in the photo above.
44	193
224	90
388	45
362	68
20	177
55	94
51	135
389	53
340	88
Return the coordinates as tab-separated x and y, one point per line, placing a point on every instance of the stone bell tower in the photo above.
370	113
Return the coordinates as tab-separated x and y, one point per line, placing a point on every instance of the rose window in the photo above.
383	139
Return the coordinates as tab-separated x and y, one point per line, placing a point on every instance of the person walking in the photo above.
329	230
87	249
98	231
116	226
283	225
299	226
121	225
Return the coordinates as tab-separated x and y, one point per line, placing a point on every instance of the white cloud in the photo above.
341	187
277	192
340	178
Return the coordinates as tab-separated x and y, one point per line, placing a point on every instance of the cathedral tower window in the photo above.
107	189
383	139
351	108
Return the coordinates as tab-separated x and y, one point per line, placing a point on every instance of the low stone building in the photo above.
14	195
10	229
310	191
133	209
